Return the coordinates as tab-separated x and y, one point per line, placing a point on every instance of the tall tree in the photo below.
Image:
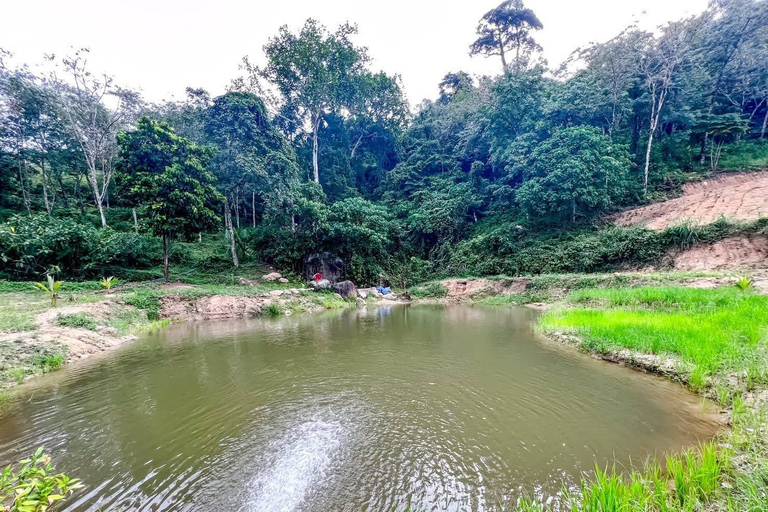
660	68
251	155
315	73
168	174
95	110
507	28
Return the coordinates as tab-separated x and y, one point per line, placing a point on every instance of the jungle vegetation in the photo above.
316	151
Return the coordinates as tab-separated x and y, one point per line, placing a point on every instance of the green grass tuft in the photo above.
78	320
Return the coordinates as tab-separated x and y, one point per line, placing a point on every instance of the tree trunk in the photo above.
315	128
253	207
97	197
230	232
135	221
501	53
237	206
44	181
647	162
166	272
765	125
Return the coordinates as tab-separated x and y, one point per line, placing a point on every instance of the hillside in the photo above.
737	197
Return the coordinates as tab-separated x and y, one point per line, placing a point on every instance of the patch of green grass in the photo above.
16	317
271	310
77	320
146	299
44	362
721	330
689	483
431	290
18	374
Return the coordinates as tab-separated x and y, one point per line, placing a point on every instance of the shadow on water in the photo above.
441	408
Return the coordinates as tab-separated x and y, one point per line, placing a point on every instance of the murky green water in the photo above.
446	409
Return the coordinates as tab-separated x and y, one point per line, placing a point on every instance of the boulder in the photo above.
282	280
272	276
320	285
360	302
346	289
331	267
276	293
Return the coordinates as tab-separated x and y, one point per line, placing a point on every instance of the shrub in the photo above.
34	487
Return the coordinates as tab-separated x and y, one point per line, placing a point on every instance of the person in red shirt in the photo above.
317	277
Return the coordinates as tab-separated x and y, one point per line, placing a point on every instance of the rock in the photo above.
365	292
282	280
346	289
103	329
272	276
320	285
246	282
276	293
338	296
294	291
331	267
360	302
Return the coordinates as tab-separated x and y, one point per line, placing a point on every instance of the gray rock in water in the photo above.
346	289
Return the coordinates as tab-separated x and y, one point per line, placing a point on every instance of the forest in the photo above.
314	152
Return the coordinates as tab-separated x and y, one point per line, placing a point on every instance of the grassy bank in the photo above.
717	341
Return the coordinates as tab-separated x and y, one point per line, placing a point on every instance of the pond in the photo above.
459	408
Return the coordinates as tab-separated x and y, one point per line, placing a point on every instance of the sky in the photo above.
163	46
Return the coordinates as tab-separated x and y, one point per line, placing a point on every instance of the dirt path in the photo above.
742	197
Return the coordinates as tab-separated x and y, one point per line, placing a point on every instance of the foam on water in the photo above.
302	460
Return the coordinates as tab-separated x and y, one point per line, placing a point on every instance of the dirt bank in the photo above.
467	289
222	307
733	253
741	197
74	342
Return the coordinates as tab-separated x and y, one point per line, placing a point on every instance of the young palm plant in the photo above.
108	282
51	287
744	284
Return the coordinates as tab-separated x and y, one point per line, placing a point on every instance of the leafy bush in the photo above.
148	300
34	487
32	245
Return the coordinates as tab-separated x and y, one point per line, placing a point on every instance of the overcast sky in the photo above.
163	46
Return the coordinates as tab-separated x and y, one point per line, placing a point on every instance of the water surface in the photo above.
441	408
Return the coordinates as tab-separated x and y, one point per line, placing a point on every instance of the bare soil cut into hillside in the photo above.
741	197
739	252
458	289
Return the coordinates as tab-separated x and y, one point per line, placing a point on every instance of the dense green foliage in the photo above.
314	151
